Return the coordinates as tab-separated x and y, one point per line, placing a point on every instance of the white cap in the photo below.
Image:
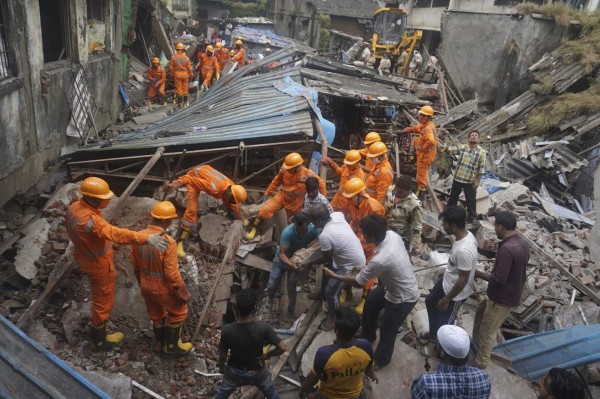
454	340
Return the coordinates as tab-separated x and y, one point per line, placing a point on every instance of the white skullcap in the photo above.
454	340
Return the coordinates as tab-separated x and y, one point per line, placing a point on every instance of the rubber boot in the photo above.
361	305
180	240
185	101
101	341
421	193
173	344
159	336
252	233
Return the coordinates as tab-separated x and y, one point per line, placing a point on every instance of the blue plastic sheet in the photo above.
489	182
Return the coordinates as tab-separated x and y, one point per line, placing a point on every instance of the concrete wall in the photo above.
33	110
595	234
473	48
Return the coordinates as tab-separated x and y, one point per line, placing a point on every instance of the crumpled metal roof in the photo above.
347	8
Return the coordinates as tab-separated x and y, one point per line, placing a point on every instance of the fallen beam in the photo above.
66	264
256	262
564	270
237	228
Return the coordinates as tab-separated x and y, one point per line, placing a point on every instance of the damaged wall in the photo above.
33	111
595	233
474	47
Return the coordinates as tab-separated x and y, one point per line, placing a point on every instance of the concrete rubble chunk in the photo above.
516	192
117	386
30	248
39	333
573	315
75	318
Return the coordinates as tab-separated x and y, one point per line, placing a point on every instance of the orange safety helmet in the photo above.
155	60
377	149
210	48
179	46
426	110
219	45
164	210
239	193
96	187
238	41
371	138
352	157
353	186
292	160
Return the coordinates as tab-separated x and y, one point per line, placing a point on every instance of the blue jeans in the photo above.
332	292
234	378
275	279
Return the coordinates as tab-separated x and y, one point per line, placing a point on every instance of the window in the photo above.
95	10
180	5
54	15
5	65
441	3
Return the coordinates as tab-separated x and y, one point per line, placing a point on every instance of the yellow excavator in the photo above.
391	36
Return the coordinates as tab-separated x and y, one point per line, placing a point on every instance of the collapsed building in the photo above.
295	100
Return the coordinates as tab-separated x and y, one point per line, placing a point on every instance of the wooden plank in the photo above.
564	270
238	228
66	263
257	262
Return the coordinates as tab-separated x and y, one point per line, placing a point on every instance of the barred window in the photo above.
5	63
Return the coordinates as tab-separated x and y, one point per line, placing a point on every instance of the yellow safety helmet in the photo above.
292	160
353	186
377	149
164	210
155	60
238	41
372	137
219	45
239	193
179	46
426	110
210	48
352	157
96	187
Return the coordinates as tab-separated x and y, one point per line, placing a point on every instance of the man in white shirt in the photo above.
456	284
397	292
341	250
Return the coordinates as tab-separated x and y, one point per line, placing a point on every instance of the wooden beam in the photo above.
564	270
237	228
257	262
66	264
323	170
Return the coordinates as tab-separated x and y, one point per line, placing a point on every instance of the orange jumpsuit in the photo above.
240	57
157	77
368	162
339	203
181	69
159	279
368	206
92	238
214	183
291	196
208	66
222	57
379	179
426	150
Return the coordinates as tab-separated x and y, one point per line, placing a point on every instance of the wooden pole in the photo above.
323	168
66	264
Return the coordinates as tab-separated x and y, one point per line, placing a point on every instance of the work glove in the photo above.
218	76
183	293
158	241
406	130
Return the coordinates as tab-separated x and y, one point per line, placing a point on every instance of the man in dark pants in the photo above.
456	284
471	164
397	292
244	341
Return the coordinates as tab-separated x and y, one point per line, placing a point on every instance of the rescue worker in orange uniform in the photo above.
93	238
370	138
292	177
425	146
181	69
214	183
222	55
162	287
157	77
361	205
351	168
381	176
208	66
240	53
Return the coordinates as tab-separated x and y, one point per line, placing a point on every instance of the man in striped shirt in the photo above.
471	164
